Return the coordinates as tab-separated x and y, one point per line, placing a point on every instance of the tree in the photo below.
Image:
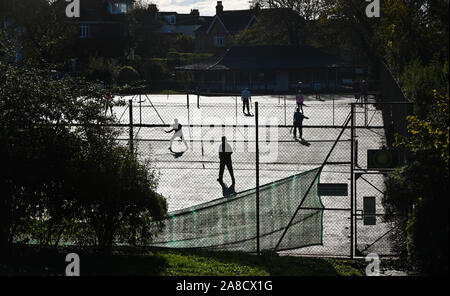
424	183
260	4
121	203
37	147
307	9
103	69
267	31
185	43
42	29
127	75
61	163
412	37
147	42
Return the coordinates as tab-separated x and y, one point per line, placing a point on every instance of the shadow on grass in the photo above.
33	261
271	264
153	262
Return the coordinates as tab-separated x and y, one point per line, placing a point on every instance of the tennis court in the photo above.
189	178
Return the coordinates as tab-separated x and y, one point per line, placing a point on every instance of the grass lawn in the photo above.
153	262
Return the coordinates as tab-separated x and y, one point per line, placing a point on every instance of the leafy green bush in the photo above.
185	43
428	233
419	81
176	59
105	70
423	184
120	203
154	69
128	74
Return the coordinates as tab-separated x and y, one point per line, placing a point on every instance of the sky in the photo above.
206	7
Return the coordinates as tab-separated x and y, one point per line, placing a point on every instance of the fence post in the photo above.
236	109
285	110
352	176
333	108
187	100
257	179
130	107
365	113
140	109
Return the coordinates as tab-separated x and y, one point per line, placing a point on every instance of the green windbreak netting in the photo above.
230	223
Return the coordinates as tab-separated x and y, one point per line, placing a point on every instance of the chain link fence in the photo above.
376	229
264	154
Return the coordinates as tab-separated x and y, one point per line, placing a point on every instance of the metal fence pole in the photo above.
140	108
352	176
333	109
130	107
365	113
285	110
187	100
355	205
236	109
257	180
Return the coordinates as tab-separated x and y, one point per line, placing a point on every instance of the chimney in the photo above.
195	12
219	7
152	8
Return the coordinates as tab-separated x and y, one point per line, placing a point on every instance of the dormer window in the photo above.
119	7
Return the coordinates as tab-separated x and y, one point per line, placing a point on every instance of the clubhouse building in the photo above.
268	69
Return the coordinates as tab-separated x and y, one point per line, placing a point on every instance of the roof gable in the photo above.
251	21
232	21
214	21
238	20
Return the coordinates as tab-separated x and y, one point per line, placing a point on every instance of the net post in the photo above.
130	107
257	181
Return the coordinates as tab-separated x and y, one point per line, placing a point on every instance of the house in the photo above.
181	24
213	36
266	69
104	29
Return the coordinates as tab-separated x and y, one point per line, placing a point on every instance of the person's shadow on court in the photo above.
178	154
228	191
303	142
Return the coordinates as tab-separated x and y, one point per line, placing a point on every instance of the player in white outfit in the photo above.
177	128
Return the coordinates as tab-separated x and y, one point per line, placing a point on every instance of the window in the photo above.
219	41
171	19
130	54
118	8
6	24
85	31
